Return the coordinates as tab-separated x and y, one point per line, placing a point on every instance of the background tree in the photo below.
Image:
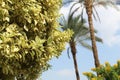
81	36
89	5
89	11
29	37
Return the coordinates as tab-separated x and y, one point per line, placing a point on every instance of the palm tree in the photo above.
89	5
81	35
89	9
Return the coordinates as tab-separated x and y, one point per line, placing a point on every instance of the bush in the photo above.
29	37
105	72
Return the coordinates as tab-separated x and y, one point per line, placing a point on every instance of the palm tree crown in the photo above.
81	31
81	35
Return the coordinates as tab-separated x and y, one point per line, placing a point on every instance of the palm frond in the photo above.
71	15
79	28
81	36
68	52
87	37
74	21
82	19
63	22
81	1
98	39
71	12
86	45
96	14
72	7
82	31
106	3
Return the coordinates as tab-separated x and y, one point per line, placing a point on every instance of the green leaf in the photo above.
35	21
39	41
25	27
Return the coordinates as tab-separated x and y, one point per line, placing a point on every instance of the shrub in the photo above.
29	37
105	72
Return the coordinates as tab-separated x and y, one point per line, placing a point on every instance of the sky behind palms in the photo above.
108	30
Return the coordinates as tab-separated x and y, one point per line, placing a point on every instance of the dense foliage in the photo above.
105	72
29	37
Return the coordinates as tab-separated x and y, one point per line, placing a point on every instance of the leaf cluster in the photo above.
29	37
105	72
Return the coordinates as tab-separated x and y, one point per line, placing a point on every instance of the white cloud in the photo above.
63	74
66	72
109	26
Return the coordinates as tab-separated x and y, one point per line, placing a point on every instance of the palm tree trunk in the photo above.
88	5
73	50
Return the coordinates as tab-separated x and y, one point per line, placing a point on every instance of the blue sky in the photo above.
108	29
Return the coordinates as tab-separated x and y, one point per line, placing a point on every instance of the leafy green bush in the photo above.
29	37
105	72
